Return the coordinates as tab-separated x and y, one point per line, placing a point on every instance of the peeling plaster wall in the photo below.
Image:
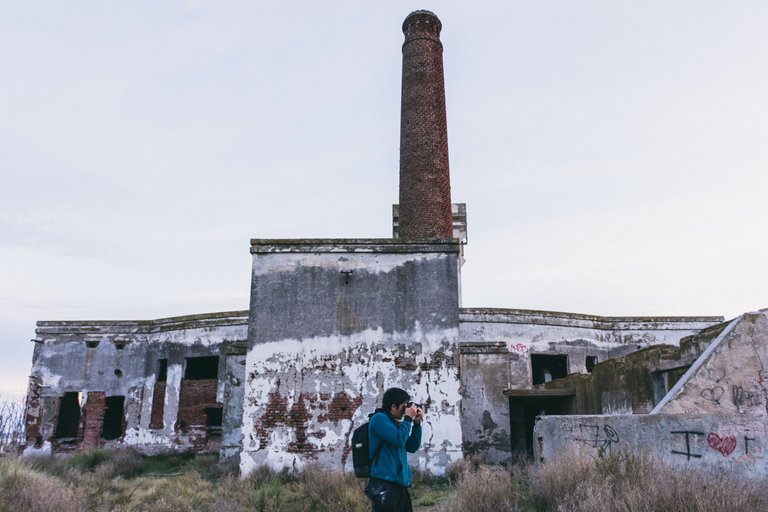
234	389
487	370
332	326
716	443
105	358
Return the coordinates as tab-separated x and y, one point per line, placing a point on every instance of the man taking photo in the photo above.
396	428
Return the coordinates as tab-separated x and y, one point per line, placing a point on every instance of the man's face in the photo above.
399	412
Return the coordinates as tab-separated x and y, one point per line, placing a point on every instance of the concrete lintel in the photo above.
483	347
539	393
350	245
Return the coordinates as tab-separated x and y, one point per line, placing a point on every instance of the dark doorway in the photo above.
162	370
113	417
199	368
547	367
526	405
590	363
69	416
213	419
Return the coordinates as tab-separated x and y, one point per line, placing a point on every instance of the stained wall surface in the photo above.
332	326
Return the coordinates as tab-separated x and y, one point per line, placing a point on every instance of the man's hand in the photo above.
419	416
411	411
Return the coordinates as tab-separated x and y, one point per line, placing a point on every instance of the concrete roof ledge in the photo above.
345	245
528	316
48	327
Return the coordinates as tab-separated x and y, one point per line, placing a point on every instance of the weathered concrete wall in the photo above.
335	323
701	441
106	358
496	348
486	372
730	377
232	435
537	331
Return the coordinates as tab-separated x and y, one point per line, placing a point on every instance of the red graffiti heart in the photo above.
725	444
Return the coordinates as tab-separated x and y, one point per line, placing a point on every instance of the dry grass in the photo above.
124	481
611	484
22	489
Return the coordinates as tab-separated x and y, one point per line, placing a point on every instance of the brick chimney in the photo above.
425	187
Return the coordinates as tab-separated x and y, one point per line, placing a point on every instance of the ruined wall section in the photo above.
333	324
714	418
730	377
496	347
95	360
697	441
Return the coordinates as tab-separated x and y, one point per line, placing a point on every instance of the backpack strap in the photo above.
376	453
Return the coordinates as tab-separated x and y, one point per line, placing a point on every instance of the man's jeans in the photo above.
387	496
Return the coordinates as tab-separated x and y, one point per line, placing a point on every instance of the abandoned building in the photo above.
334	322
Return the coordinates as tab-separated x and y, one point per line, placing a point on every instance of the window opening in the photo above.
199	368
162	370
69	416
547	367
590	363
113	417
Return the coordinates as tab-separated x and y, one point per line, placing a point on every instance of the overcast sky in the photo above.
612	155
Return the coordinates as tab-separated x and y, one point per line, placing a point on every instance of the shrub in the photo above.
333	490
488	488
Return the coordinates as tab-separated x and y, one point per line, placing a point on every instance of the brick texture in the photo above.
158	406
92	420
325	406
425	188
33	418
194	397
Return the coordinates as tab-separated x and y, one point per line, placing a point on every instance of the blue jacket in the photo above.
392	464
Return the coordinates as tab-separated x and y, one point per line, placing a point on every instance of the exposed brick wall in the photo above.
194	397
425	188
92	420
325	407
33	418
158	406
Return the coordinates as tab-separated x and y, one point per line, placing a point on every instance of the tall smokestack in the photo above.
425	187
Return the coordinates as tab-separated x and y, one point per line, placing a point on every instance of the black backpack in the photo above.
361	459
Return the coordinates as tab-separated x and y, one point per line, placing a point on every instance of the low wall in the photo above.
703	442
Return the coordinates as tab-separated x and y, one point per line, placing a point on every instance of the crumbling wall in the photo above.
234	389
332	327
731	377
487	370
120	359
496	349
714	417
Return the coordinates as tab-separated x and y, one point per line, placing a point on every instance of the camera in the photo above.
409	404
